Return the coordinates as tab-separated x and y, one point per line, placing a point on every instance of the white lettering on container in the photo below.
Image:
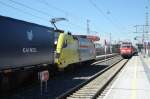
29	50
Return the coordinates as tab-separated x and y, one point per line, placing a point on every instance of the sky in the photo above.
115	17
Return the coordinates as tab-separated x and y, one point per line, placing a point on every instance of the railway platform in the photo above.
133	82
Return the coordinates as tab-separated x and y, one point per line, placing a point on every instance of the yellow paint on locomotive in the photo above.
67	51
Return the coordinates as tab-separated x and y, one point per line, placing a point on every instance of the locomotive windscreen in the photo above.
126	45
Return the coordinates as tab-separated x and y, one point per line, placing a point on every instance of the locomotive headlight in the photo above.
128	50
123	50
55	42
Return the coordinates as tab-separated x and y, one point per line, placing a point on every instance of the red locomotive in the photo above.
127	50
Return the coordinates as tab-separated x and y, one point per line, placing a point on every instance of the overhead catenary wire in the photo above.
47	14
22	11
105	16
25	12
54	7
39	11
114	19
44	2
26	6
67	13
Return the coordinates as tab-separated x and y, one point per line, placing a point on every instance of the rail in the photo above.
96	84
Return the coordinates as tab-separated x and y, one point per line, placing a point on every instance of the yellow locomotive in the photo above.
71	49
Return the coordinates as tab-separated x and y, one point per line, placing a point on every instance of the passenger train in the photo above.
127	50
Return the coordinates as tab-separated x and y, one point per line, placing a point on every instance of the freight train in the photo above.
25	45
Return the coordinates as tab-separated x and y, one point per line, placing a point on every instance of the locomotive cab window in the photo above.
65	44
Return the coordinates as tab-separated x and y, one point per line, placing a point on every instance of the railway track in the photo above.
104	60
57	85
93	87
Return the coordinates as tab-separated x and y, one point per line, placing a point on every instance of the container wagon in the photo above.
23	45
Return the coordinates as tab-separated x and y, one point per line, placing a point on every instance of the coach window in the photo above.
65	44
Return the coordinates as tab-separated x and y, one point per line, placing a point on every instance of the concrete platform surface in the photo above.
133	82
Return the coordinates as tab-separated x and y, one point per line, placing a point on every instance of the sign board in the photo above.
44	75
